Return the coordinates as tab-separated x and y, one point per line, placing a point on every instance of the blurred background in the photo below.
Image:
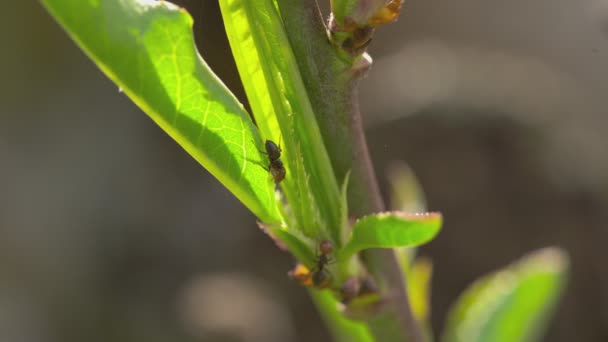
110	232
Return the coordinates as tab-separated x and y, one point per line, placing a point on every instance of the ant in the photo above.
272	150
319	273
276	168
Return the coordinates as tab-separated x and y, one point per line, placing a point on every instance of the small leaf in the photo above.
510	305
392	229
147	49
367	12
406	195
358	11
419	287
344	206
406	192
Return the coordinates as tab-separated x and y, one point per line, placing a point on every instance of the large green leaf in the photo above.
510	305
392	229
283	113
147	48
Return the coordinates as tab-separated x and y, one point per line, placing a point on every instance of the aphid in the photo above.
350	289
319	273
368	286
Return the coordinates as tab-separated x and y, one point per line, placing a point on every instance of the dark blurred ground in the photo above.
110	232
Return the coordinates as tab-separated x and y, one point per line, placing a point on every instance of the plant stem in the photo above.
381	263
333	91
362	164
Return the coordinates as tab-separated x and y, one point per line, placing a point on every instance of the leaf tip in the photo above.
548	259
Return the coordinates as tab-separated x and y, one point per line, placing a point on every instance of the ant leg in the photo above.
259	163
257	148
331	261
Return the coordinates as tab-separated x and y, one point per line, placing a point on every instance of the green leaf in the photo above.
323	65
344	205
147	49
283	113
392	229
406	192
419	288
406	195
510	305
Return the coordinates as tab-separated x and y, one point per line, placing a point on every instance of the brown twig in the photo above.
381	263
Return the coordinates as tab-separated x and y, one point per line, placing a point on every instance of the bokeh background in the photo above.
110	232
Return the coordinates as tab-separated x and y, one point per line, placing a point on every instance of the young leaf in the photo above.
406	192
406	195
344	206
392	229
283	111
510	305
366	12
147	49
419	288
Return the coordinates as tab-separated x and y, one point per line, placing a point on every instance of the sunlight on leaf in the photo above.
147	49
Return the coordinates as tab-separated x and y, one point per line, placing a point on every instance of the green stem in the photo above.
332	86
341	328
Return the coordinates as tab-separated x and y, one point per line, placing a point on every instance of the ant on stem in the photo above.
319	274
275	167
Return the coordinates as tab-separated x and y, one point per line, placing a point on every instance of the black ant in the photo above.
272	150
319	273
276	168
